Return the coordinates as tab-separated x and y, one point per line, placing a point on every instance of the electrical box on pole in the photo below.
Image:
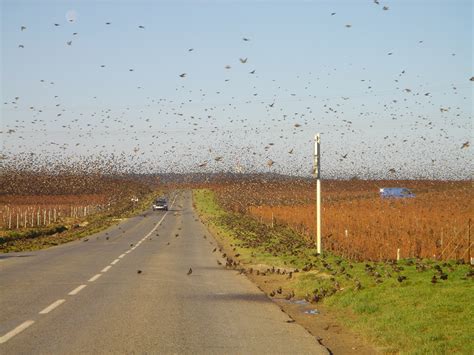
317	174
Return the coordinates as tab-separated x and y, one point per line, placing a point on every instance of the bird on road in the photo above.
190	271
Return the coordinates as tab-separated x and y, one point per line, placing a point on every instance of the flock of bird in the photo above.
266	127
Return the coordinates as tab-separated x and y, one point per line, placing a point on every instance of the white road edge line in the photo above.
12	333
115	262
95	277
52	306
105	269
121	256
77	290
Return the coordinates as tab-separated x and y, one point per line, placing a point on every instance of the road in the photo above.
127	290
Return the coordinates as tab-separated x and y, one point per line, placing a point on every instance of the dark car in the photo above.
160	204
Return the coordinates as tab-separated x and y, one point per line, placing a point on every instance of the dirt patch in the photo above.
315	318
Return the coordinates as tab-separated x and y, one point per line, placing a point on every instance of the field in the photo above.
357	223
406	306
36	208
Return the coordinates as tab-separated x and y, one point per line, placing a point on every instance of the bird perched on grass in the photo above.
401	278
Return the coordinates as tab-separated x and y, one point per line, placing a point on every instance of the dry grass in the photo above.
358	224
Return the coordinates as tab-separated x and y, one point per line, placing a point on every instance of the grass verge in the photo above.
71	229
411	306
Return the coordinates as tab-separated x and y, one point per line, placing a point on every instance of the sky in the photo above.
243	86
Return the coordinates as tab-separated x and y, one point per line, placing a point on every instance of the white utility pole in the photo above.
317	173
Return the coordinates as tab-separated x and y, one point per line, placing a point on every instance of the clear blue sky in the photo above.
392	91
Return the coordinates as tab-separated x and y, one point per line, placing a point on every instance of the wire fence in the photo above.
31	216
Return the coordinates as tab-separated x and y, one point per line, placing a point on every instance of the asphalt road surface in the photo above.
131	293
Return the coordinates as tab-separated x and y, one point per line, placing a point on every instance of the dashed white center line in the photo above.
128	251
105	269
115	262
52	306
77	290
121	256
12	333
95	277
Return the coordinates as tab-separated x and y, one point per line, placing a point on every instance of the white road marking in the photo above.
52	306
105	269
115	262
128	251
95	277
12	333
121	256
77	290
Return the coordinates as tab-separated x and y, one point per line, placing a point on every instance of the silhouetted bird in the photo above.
190	271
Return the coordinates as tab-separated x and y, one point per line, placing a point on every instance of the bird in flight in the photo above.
243	60
246	39
23	28
465	145
182	75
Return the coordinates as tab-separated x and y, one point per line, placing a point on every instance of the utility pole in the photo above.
317	173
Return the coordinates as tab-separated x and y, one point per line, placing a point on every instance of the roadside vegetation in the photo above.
409	306
42	210
70	229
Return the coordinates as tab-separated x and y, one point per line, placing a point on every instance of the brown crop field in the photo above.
38	200
357	223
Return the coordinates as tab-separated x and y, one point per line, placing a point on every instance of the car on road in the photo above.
160	204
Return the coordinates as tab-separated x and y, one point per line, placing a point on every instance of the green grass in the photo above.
412	316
